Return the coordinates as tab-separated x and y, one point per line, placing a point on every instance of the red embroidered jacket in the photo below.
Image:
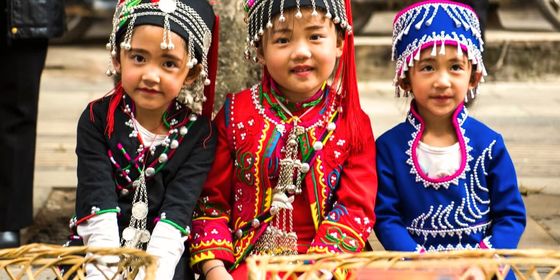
233	210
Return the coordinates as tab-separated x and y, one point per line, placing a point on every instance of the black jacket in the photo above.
173	189
33	19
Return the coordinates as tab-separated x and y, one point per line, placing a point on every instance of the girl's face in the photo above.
439	83
153	77
300	54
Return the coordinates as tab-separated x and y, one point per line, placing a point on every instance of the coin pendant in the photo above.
140	210
128	233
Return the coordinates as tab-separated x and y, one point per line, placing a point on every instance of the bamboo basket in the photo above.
468	264
42	261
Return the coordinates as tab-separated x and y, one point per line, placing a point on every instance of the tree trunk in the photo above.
234	71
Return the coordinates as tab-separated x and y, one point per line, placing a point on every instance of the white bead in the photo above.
150	171
305	167
318	146
174	144
207	82
299	14
183	131
331	126
162	158
163	45
239	233
255	223
193	117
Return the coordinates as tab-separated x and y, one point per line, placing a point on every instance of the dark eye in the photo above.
170	64
427	68
137	58
316	37
456	67
281	40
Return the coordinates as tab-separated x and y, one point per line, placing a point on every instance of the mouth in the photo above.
301	70
149	91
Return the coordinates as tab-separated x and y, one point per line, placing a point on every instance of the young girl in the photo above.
295	160
446	181
144	150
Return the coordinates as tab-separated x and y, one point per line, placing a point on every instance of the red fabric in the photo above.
339	192
210	90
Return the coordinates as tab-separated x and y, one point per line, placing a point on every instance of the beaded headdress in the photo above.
261	12
433	24
192	20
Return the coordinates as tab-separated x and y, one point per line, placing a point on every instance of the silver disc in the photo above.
144	236
140	210
128	233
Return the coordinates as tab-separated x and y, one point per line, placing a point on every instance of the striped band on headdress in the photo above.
433	24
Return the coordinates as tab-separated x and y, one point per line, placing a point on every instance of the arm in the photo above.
212	238
389	227
96	189
349	223
507	210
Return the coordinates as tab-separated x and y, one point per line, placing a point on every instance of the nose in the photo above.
443	80
151	76
301	52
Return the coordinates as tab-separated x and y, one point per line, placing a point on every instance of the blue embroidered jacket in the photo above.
477	207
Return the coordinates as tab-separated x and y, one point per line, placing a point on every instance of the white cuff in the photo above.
168	245
101	231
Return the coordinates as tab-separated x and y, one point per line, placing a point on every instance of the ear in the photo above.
116	64
475	79
339	45
260	55
404	84
193	74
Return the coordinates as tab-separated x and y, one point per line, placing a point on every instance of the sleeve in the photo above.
96	189
389	227
183	191
212	237
350	221
507	210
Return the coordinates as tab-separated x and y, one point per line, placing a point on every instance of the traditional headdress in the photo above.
434	23
193	20
259	16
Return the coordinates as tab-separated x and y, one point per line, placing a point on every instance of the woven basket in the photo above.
474	264
41	261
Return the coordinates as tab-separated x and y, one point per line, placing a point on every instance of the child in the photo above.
446	181
295	160
144	150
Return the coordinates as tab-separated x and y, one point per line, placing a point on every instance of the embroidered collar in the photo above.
459	117
297	106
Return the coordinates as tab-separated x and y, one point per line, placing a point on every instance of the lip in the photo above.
301	70
148	90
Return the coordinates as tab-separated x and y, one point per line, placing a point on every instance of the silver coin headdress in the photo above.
192	20
260	14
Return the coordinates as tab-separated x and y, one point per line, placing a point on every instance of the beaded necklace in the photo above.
279	237
136	234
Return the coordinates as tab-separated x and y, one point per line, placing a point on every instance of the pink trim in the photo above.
430	2
461	145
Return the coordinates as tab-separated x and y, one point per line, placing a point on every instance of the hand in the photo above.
215	269
218	273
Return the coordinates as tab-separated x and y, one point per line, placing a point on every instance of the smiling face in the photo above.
300	53
439	83
153	77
